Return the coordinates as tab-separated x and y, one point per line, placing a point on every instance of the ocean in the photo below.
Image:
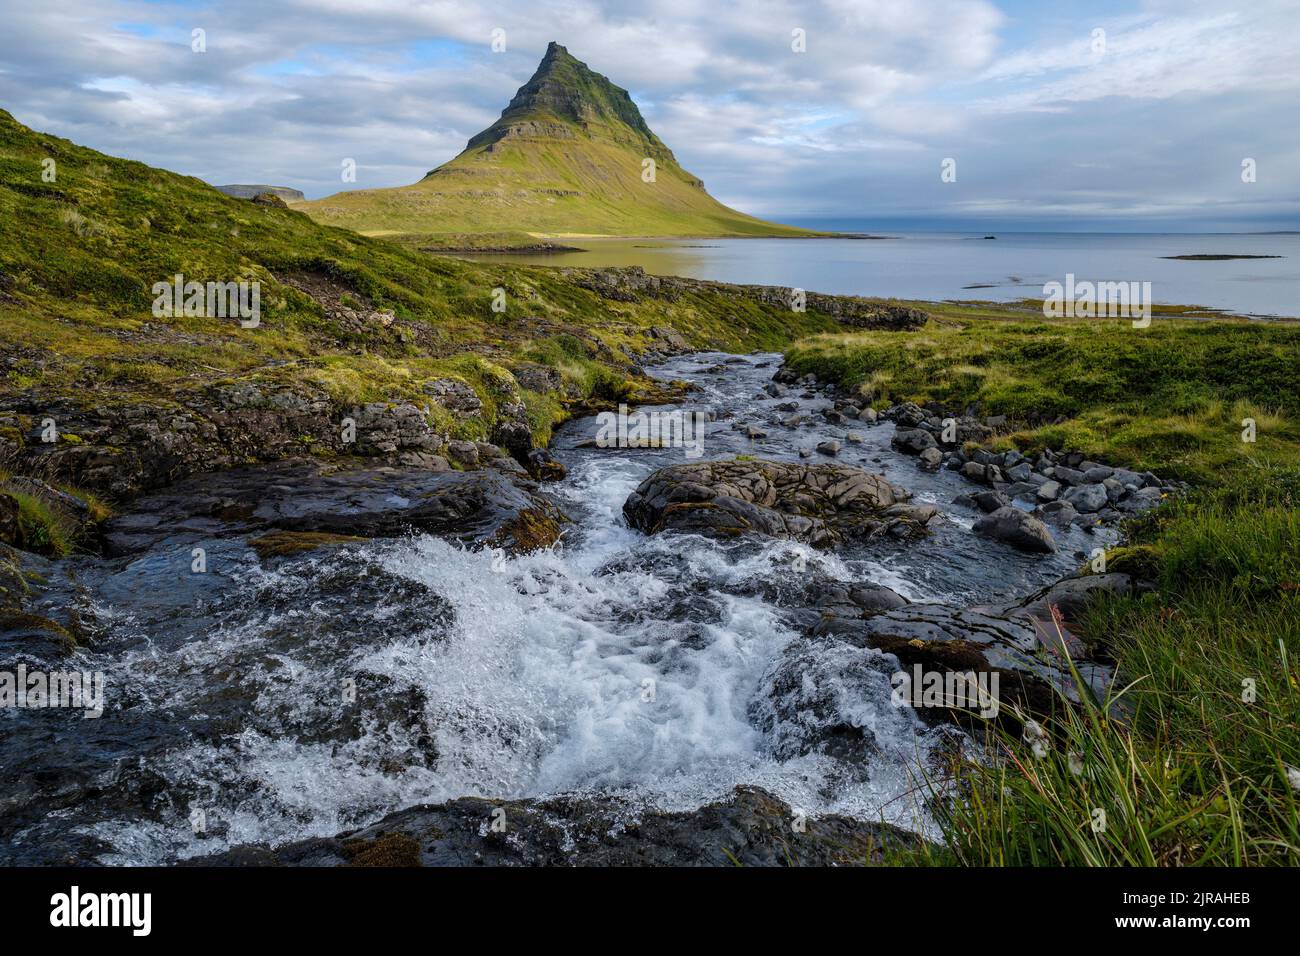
966	266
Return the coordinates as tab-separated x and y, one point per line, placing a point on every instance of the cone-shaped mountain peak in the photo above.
570	155
566	89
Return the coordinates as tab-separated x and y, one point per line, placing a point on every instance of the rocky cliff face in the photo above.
565	87
253	191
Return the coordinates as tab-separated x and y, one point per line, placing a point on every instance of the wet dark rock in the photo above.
818	504
831	447
912	441
1087	498
842	599
481	507
1021	640
1018	529
544	466
750	828
985	501
514	434
1062	514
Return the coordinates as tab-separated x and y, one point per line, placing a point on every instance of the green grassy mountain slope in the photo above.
346	320
565	159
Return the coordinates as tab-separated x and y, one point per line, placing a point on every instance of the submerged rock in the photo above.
818	504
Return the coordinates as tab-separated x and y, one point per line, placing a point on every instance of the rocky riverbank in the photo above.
1025	494
322	573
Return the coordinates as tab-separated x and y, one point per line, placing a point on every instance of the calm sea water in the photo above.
948	266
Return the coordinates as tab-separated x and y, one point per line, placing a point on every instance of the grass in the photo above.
1200	770
77	329
44	525
1169	398
1188	763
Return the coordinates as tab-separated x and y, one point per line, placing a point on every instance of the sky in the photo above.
1110	115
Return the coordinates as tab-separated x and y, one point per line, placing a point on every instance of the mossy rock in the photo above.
29	632
390	849
13	583
533	530
284	544
1143	562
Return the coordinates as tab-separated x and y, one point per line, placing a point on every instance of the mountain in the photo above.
143	392
566	158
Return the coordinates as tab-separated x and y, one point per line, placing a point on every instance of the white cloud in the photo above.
855	125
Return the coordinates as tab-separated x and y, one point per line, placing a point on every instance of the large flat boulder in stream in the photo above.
822	505
1018	529
749	828
1024	642
493	507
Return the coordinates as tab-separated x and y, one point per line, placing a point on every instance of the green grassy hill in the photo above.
565	159
345	319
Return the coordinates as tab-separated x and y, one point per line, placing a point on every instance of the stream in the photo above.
648	667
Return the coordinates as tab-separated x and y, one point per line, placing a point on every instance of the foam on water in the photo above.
661	668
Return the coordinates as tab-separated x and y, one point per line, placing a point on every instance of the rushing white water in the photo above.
666	669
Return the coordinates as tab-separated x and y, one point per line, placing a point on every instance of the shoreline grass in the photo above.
1202	768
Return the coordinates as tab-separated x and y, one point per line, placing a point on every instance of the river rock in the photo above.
748	828
544	466
1067	476
1062	514
1087	498
1049	490
1017	528
912	441
487	507
822	505
1022	641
